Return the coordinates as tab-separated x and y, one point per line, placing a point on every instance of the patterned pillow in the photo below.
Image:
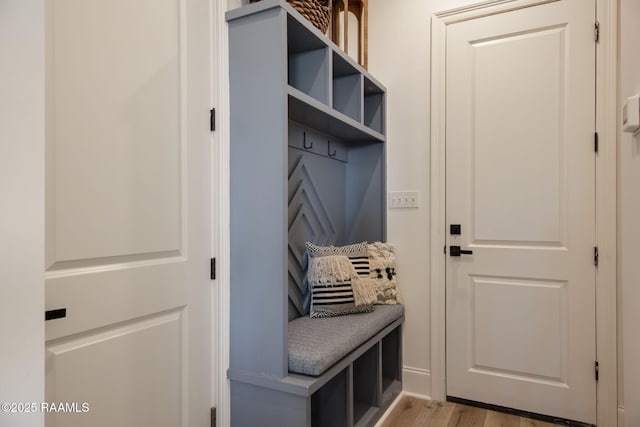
339	280
382	263
358	254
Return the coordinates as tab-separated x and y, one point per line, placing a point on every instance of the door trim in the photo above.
606	198
220	209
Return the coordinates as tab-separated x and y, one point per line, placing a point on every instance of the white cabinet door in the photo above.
128	211
520	180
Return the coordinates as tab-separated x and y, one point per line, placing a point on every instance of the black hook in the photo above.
304	142
329	149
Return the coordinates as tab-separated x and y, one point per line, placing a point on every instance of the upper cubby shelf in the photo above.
326	88
307	58
306	110
373	106
347	88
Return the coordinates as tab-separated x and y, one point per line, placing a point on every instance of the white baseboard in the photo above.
620	416
416	382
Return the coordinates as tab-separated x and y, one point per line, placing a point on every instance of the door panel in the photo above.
116	101
505	320
509	121
520	180
128	211
124	360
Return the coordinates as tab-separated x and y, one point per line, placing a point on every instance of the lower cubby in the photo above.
329	405
391	361
366	380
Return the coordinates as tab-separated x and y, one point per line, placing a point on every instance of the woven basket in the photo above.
316	11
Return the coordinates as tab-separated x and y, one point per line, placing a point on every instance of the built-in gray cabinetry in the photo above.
307	164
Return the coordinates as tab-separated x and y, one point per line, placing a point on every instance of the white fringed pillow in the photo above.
382	264
339	280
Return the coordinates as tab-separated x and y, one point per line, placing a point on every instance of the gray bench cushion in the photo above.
316	344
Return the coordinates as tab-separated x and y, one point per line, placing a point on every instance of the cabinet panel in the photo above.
366	204
258	154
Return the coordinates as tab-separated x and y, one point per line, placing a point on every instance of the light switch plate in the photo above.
403	199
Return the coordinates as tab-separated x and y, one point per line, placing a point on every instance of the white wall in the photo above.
629	215
21	207
234	4
399	56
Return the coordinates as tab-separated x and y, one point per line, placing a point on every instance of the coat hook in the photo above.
329	149
304	142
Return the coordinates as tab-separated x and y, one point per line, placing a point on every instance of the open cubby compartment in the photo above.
308	63
332	200
347	88
329	404
391	364
366	386
373	106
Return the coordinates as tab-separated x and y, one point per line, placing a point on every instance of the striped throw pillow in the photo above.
338	277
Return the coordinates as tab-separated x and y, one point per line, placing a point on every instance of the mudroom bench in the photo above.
343	371
307	164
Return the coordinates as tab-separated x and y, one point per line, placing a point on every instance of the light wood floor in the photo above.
414	412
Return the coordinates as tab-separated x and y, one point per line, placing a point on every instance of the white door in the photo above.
520	181
128	216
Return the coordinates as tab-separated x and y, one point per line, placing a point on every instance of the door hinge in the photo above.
213	417
595	141
597	366
213	269
596	32
595	256
212	119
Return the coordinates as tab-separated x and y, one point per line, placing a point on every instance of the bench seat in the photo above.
317	344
